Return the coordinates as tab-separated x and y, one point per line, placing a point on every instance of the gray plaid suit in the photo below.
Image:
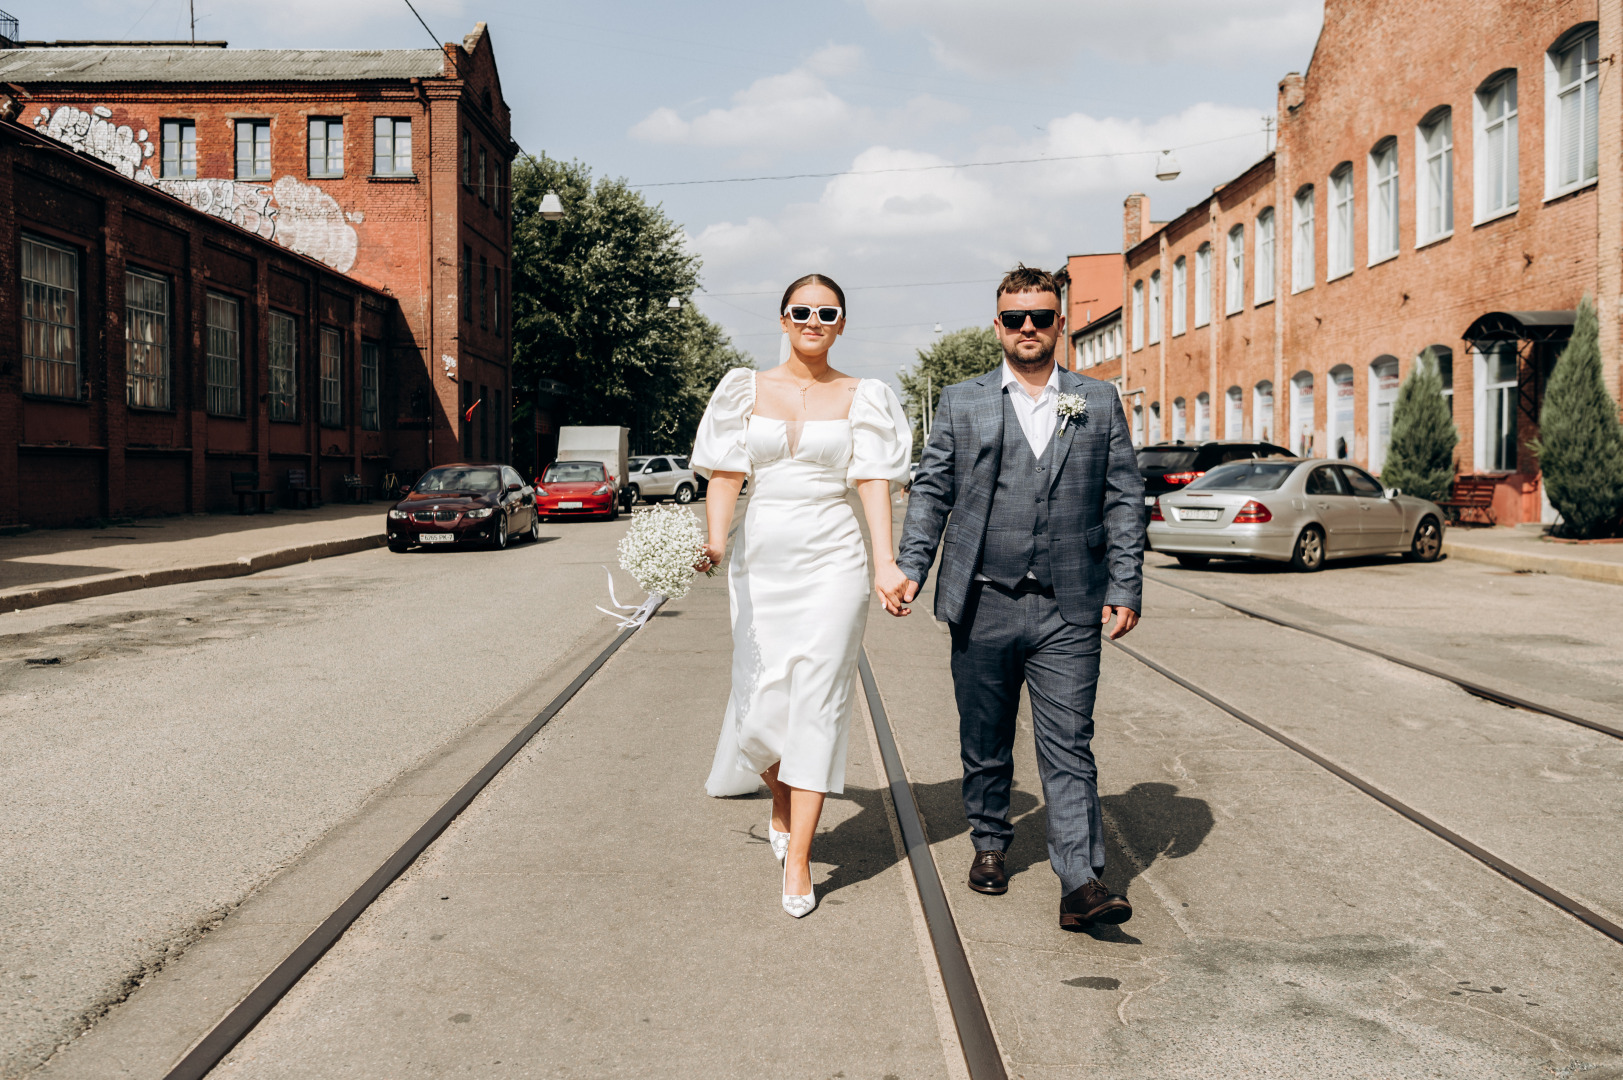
1046	638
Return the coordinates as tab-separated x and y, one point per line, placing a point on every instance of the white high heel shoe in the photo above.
780	841
798	906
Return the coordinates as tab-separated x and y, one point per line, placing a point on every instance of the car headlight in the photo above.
398	515
540	491
475	515
604	490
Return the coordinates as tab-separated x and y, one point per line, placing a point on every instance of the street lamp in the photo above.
938	328
674	302
552	208
1166	166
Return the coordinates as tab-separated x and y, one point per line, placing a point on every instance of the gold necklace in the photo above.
803	390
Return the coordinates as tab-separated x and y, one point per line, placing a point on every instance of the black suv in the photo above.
1169	466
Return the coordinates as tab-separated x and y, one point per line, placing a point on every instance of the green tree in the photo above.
962	354
591	294
1580	443
1420	457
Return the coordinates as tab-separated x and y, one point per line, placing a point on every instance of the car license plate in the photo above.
570	505
435	538
1149	500
1198	515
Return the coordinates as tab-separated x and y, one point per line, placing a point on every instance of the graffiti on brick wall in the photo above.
296	215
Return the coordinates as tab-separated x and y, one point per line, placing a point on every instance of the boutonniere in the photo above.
1072	407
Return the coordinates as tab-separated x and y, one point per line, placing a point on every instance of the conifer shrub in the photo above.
1420	457
1580	443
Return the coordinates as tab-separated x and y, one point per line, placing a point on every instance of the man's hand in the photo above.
1126	618
896	590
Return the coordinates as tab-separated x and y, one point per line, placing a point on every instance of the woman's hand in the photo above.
891	585
711	557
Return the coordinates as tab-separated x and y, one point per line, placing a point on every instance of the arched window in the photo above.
1340	435
1383	396
1434	184
1265	266
1155	307
1155	421
1572	111
1203	416
1497	164
1302	241
1302	414
1234	273
1180	420
1138	423
1383	194
1262	411
1341	222
1203	285
1138	315
1234	413
1445	371
1180	296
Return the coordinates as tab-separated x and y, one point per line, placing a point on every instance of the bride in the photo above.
803	434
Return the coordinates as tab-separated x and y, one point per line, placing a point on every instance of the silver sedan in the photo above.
1301	512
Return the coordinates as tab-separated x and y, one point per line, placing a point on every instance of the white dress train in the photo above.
798	579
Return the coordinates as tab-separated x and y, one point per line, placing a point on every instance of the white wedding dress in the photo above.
798	580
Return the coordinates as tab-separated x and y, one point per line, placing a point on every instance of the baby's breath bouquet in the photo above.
659	550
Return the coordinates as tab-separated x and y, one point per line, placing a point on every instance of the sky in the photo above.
661	93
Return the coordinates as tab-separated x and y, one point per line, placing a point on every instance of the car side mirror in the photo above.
405	489
1392	492
515	487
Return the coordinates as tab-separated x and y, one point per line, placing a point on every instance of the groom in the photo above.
1044	547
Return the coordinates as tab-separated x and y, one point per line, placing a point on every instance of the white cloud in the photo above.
988	37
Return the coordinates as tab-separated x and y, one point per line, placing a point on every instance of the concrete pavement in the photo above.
1527	551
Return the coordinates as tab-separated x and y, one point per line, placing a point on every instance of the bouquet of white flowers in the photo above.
659	550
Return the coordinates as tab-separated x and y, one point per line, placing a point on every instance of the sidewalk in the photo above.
50	566
1526	550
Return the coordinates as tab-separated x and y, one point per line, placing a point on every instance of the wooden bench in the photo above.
359	491
299	486
1471	495
245	486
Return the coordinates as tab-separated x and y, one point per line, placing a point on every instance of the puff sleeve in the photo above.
720	443
881	436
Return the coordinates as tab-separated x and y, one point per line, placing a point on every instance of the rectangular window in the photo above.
1235	282
332	377
1180	292
1203	285
499	195
50	276
467	282
1497	164
179	160
391	146
483	416
1436	180
146	340
369	386
1302	242
1264	288
467	159
1341	223
484	293
253	149
1574	75
326	148
1155	307
1499	410
483	191
1383	217
500	298
284	367
224	392
1138	315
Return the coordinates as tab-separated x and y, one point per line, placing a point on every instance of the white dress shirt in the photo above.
1037	415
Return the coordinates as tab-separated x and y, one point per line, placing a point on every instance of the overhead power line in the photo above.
861	288
431	33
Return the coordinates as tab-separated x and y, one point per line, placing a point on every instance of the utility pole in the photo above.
191	9
929	400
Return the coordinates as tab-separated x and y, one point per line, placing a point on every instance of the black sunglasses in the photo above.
1041	318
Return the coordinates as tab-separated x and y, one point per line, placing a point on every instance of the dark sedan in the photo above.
454	505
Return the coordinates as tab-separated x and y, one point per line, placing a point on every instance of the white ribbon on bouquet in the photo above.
630	616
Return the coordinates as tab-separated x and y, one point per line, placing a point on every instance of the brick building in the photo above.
1421	195
1092	304
391	167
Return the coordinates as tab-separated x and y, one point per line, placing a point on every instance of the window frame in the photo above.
75	307
181	126
1203	284
1481	212
1266	267
1506	394
467	160
1428	198
217	363
1138	314
484	172
394	139
255	127
1180	291
327	124
1154	313
1303	253
330	378
1342	225
163	348
1587	87
1234	272
1180	420
282	394
1385	197
1203	417
498	301
371	388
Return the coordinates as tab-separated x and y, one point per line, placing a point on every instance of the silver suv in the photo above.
662	476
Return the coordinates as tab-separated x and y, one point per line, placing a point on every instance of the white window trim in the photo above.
1439	238
1330	252
1552	126
1180	297
1259	279
1155	316
1479	149
1138	315
1297	286
1234	283
1372	407
1374	196
1206	250
1257	413
1422	208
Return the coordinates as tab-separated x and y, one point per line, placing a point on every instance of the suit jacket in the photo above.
1095	509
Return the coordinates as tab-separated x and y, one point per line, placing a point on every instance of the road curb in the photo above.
130	580
1530	562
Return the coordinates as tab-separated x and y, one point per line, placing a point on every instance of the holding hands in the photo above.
896	590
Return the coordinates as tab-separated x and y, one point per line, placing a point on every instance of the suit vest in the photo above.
1017	525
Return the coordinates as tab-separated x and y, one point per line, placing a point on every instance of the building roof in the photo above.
117	64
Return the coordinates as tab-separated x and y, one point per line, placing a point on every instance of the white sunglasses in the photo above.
802	313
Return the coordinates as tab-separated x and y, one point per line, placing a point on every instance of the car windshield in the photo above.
636	463
1246	476
1166	459
574	472
479	481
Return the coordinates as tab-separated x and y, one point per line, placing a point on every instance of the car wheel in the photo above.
1427	543
399	547
1194	562
1308	555
498	533
614	510
684	494
633	495
535	529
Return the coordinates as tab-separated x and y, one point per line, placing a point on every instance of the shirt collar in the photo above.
1052	386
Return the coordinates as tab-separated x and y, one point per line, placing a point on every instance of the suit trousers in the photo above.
1013	636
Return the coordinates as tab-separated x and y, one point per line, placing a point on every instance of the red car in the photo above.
568	488
452	505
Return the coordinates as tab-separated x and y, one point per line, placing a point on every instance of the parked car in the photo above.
1169	466
576	488
1290	510
650	479
453	505
703	484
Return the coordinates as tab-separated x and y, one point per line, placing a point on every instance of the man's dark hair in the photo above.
1025	278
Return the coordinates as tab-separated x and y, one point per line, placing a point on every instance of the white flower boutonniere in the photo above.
1072	407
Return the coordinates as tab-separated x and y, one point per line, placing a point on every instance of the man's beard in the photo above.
1031	367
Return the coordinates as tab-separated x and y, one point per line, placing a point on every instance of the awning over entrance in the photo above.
1538	326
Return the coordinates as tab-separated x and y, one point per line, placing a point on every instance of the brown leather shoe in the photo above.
986	873
1092	904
